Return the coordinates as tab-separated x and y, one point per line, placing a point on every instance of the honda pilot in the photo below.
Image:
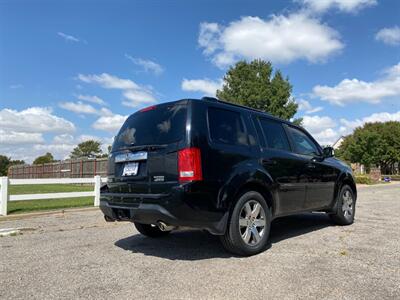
221	167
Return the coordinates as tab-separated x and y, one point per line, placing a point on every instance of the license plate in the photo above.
130	169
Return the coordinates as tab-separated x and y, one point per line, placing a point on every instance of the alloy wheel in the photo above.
347	204
252	222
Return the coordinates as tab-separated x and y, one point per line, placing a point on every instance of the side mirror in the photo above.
328	152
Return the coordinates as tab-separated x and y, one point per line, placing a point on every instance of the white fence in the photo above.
5	196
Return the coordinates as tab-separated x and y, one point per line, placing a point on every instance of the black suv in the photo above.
221	167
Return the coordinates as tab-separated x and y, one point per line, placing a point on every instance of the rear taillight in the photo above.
189	164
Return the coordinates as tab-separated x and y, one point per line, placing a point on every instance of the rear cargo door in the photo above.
144	154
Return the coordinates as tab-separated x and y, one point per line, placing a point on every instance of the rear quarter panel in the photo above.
226	168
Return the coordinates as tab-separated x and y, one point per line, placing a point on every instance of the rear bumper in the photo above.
173	209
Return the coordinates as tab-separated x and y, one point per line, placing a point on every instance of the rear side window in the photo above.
226	127
158	125
274	134
302	143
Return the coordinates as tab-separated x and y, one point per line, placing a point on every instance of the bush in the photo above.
363	180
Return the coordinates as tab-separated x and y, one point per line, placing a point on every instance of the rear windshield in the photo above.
160	125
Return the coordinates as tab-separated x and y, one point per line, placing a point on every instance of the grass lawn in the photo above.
48	204
47	188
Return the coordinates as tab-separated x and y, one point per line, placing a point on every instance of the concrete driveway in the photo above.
78	255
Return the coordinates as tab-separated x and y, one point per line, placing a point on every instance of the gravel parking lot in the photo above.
78	255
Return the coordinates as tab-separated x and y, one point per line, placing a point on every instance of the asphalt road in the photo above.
78	255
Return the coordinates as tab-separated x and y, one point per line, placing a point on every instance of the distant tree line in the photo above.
87	149
6	162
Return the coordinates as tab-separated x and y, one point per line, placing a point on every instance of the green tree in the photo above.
6	162
44	159
105	155
254	84
88	148
373	144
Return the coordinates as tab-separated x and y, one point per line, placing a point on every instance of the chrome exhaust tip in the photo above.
164	227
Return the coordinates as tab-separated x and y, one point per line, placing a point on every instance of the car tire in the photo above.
150	230
345	207
248	226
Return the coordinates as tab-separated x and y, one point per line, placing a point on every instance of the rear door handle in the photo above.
268	162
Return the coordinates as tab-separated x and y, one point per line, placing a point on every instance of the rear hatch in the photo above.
144	157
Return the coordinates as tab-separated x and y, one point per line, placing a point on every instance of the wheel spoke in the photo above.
243	222
247	209
256	210
256	235
247	235
259	223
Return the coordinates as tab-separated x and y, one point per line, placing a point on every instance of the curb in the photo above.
45	213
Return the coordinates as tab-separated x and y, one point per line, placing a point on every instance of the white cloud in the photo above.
376	117
92	99
389	36
78	107
109	81
315	124
86	137
134	98
63	139
15	138
83	108
59	151
147	64
63	144
34	119
135	94
349	6
60	146
29	145
207	86
281	39
355	90
305	106
68	38
21	133
326	130
322	128
105	112
209	37
110	123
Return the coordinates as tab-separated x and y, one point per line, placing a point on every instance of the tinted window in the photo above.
226	127
274	134
302	143
163	124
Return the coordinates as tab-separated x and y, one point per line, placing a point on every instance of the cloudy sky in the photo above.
74	70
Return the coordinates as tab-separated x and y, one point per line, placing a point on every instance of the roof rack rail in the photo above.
210	99
233	104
